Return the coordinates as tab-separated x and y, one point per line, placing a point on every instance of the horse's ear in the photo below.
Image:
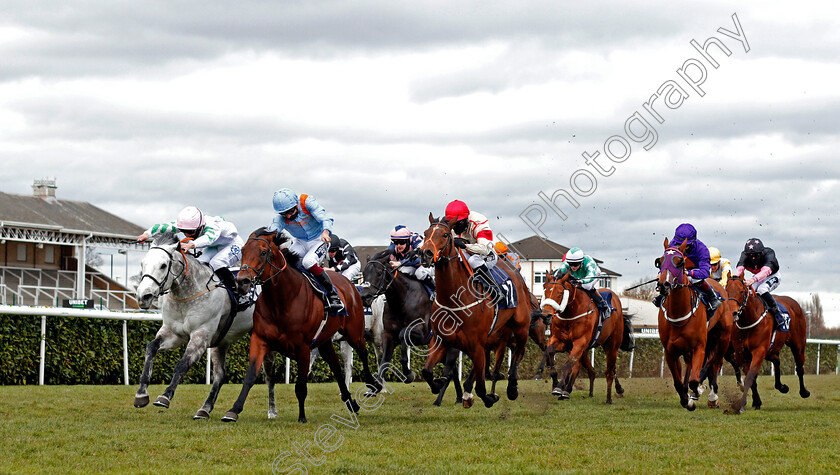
666	243
683	246
549	276
431	218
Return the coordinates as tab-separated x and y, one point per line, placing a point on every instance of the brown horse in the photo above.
753	333
573	328
465	317
718	344
682	324
289	315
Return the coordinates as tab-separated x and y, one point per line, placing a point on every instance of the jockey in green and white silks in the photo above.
585	272
217	239
307	221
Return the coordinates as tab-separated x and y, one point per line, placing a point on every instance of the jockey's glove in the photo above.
460	243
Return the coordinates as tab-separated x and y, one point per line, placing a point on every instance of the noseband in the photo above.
160	284
448	247
265	263
387	278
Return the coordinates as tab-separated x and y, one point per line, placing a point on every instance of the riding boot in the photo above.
782	319
657	301
430	282
333	301
603	308
484	274
712	301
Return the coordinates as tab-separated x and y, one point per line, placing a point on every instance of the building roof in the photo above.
366	252
50	213
535	247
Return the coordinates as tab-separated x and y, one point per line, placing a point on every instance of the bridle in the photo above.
570	280
738	314
267	261
664	288
161	283
448	247
387	279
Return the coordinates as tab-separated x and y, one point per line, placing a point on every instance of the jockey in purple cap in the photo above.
698	254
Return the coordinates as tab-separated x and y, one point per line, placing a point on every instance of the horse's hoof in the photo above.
489	400
436	403
512	393
409	378
691	405
714	404
804	393
201	414
459	400
141	401
354	406
783	389
556	391
272	413
563	395
301	420
468	401
230	416
162	401
742	410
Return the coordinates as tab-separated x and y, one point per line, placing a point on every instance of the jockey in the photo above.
761	262
698	254
473	234
308	223
218	240
585	272
343	258
721	269
403	244
503	251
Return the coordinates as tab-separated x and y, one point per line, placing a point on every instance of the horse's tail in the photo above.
628	341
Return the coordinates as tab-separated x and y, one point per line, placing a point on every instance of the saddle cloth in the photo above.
509	298
322	294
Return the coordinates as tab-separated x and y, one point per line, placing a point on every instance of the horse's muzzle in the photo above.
145	301
427	257
243	286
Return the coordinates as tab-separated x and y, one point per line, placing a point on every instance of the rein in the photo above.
379	290
589	308
160	284
742	305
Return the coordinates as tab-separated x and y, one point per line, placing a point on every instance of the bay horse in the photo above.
192	303
289	318
405	317
464	316
718	345
754	331
573	328
682	324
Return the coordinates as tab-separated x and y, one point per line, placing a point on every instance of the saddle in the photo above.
706	304
607	296
509	297
322	294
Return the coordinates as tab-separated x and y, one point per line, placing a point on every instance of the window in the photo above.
21	252
49	255
539	278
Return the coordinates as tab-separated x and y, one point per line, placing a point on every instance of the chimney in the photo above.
44	188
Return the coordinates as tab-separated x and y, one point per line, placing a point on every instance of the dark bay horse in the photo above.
405	319
464	316
753	333
682	324
289	315
573	328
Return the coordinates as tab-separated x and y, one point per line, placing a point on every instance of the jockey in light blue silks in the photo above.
403	243
217	239
585	271
698	254
308	223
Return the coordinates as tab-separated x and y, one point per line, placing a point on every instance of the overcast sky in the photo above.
386	111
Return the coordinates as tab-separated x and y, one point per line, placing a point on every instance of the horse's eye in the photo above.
264	252
163	266
446	235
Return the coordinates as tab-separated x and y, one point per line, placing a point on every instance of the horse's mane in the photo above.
379	255
280	241
165	239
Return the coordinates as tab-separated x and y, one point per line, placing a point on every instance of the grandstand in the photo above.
44	242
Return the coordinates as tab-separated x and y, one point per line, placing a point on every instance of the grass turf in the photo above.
96	428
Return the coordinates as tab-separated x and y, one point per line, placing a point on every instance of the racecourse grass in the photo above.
61	429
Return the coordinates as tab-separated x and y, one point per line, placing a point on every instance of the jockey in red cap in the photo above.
473	234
